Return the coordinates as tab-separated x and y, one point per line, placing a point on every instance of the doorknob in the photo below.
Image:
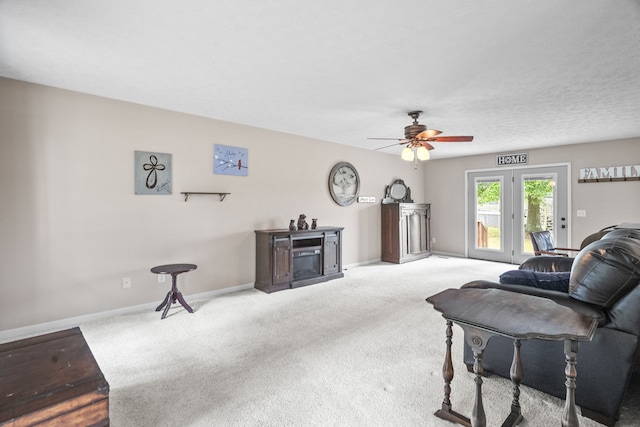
563	226
563	219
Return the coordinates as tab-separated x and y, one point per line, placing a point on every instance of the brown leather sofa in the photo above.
605	276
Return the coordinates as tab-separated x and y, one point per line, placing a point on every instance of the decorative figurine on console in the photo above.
292	225
302	223
314	223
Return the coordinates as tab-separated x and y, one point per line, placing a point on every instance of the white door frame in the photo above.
499	169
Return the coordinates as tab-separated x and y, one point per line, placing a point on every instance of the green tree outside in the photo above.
535	190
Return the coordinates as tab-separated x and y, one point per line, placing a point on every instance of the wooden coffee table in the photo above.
483	313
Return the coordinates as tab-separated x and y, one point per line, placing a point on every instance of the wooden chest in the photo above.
52	379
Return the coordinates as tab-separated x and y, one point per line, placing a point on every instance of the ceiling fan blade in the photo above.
417	136
428	134
387	146
453	138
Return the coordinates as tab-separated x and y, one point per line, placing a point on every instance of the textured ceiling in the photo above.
515	74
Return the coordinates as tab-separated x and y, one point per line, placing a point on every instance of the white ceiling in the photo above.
515	74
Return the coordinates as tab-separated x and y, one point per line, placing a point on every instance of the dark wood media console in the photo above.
288	259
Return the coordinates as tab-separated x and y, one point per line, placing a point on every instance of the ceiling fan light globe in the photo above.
423	153
407	154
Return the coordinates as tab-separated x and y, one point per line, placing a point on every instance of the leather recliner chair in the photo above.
605	276
549	262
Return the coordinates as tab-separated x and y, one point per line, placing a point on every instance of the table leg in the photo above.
478	418
570	415
183	302
446	412
515	417
477	339
168	306
177	295
165	301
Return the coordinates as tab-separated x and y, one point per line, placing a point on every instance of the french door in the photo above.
504	205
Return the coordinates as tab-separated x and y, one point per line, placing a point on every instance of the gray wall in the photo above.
606	203
72	227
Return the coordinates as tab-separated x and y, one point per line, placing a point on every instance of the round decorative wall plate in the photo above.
344	183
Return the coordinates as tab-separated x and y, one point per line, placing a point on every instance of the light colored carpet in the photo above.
366	350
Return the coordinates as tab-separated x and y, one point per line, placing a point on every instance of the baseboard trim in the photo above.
71	322
378	260
360	264
447	254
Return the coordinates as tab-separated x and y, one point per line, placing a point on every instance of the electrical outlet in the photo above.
581	213
126	282
162	278
433	240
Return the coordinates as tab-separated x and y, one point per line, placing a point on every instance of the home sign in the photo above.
512	159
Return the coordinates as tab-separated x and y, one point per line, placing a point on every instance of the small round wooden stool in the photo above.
174	294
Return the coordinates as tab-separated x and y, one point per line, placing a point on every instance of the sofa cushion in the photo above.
543	280
547	264
605	270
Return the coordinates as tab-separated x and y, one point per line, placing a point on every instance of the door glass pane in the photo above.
538	207
488	227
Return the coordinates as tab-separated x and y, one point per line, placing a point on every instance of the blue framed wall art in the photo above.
228	160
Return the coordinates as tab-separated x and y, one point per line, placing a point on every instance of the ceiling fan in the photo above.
417	139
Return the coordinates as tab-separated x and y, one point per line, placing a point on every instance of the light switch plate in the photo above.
581	213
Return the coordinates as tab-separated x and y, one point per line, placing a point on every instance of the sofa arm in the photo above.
550	264
561	298
625	314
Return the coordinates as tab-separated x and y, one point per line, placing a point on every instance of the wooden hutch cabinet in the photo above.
406	232
289	259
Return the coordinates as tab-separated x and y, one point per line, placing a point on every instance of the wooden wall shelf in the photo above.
188	193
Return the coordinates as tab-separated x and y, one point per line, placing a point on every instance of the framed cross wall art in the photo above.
228	160
152	173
